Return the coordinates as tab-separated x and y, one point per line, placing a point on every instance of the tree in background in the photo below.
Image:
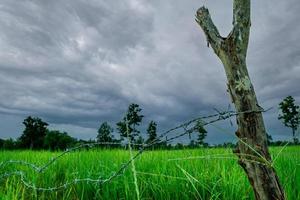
202	133
193	144
1	143
151	131
131	120
290	115
105	133
34	133
269	139
56	140
9	144
140	141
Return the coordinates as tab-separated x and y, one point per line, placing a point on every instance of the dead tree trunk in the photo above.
252	149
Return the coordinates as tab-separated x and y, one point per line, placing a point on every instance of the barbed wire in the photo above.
40	169
220	116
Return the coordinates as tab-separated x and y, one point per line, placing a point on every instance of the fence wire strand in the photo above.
188	127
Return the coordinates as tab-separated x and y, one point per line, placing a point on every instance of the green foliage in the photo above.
56	140
105	133
131	120
226	145
34	133
179	146
269	139
290	114
151	131
9	144
1	143
193	144
140	140
202	133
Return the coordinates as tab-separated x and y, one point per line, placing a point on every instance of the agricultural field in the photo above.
161	174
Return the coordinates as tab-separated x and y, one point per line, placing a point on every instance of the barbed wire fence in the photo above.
188	128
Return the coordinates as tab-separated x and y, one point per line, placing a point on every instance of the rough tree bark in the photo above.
252	149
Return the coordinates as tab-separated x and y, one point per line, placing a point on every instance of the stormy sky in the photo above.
77	63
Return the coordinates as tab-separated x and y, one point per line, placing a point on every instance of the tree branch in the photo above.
213	37
241	23
241	12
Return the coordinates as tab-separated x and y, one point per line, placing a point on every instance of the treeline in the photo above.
36	134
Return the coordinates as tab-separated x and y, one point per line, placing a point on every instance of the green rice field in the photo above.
161	174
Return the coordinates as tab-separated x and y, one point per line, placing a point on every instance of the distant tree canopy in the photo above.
37	136
290	115
202	133
9	144
105	133
140	140
34	133
56	140
269	139
151	132
130	121
1	143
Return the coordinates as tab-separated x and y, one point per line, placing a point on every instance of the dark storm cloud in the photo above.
76	63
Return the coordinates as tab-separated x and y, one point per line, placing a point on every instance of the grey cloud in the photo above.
77	63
